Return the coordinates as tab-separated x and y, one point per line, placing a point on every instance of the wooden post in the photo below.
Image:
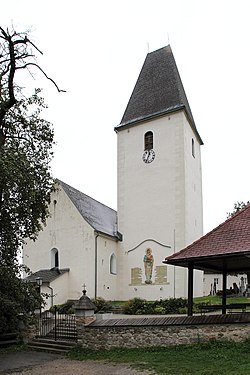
190	288
224	291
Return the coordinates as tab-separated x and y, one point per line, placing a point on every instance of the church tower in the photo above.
159	183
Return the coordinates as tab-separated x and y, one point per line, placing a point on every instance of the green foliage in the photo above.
101	304
26	142
25	180
65	308
238	206
199	359
138	306
17	300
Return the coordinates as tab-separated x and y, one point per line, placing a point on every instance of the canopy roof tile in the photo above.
226	246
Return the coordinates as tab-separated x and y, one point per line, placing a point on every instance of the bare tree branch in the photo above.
37	66
15	53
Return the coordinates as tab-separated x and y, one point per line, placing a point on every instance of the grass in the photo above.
200	359
213	300
207	300
216	300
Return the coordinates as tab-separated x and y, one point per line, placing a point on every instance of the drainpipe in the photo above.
96	270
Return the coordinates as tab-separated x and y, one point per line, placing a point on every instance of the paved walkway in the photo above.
37	363
24	359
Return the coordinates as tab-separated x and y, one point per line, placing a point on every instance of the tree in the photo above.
237	207
26	142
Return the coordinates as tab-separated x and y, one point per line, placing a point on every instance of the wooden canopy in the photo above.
226	249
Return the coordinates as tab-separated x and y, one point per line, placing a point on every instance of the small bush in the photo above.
102	305
168	306
134	306
159	310
65	308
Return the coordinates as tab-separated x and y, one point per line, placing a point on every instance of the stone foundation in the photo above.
84	321
94	337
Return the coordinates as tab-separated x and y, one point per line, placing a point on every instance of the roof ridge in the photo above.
86	195
100	217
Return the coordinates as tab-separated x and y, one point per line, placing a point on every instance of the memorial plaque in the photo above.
136	276
161	275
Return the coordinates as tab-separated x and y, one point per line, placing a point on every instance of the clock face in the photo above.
148	156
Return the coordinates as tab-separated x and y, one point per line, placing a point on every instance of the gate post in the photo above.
55	323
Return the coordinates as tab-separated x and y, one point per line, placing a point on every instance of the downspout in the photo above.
96	270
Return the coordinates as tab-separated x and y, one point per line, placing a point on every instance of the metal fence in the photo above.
57	326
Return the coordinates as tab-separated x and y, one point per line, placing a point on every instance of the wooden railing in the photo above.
230	307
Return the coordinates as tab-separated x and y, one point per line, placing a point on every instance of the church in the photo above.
119	254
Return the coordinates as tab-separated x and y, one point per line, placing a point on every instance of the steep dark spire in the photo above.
158	90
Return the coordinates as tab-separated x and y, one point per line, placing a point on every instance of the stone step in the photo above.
51	336
59	346
63	333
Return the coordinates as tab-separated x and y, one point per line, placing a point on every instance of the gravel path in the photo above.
37	363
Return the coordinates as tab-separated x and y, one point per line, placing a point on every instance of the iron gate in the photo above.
57	326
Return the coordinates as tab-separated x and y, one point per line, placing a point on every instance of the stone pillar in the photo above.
84	310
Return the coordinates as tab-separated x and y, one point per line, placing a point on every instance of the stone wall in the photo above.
97	337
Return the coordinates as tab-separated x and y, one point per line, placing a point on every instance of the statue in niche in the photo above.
148	261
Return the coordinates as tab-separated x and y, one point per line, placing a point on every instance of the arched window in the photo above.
113	268
148	141
54	256
193	150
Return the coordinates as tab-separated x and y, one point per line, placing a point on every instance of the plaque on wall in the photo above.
161	275
136	276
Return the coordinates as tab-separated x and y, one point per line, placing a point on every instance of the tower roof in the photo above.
158	91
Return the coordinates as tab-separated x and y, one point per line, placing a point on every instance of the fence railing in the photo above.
57	326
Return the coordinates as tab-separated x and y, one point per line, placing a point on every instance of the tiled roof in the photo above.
102	218
230	237
47	275
158	90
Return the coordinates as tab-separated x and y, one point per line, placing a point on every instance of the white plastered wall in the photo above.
59	291
155	201
107	273
75	240
73	237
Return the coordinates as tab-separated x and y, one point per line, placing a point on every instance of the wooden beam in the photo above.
190	288
224	291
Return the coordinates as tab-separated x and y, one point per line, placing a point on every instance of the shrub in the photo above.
174	305
168	306
134	305
102	305
65	308
159	310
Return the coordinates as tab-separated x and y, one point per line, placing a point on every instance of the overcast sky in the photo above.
95	50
